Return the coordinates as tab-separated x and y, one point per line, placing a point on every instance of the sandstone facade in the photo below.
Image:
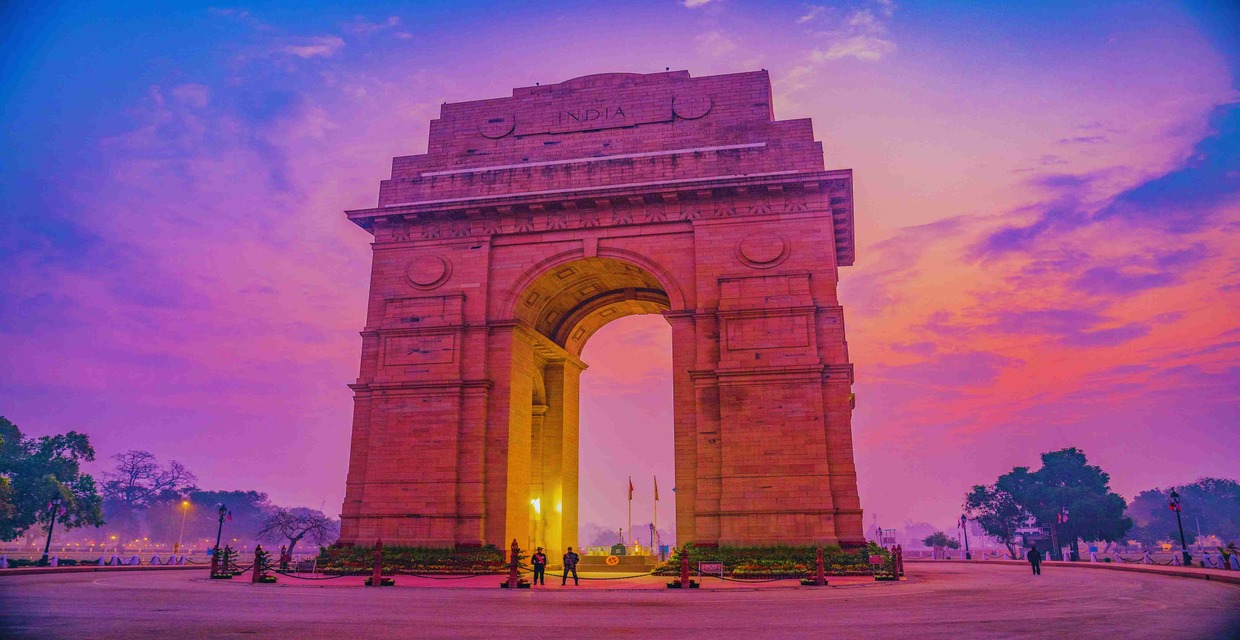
531	222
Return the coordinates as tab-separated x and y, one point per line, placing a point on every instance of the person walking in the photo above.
570	564
539	560
1035	559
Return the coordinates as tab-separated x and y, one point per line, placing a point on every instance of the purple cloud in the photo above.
1107	337
951	370
1111	281
1183	200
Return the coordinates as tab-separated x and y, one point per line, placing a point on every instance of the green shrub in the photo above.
428	560
777	561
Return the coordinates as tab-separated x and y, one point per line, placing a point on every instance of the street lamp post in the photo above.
1062	519
52	509
184	511
964	526
220	531
1175	506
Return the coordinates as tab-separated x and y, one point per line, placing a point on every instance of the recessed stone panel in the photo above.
419	349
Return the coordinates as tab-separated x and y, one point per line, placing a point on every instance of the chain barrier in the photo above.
528	569
445	577
750	580
300	577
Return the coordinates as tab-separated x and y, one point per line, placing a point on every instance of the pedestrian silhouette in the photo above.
1035	559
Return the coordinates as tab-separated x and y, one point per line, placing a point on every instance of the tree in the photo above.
296	524
997	512
940	541
1214	503
7	508
138	483
39	470
1065	481
138	479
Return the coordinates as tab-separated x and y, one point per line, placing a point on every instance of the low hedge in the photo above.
777	561
16	563
428	560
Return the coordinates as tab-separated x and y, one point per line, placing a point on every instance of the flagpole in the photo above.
655	524
630	529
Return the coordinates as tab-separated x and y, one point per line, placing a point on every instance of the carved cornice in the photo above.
426	386
697	201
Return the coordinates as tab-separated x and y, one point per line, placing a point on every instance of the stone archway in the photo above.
534	221
559	307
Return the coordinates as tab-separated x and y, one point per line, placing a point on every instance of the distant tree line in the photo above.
1074	500
139	499
1210	504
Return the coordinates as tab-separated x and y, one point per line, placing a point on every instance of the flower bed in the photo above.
420	560
777	561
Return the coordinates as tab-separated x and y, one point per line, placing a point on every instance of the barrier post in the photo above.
820	572
376	576
684	567
899	554
215	561
514	576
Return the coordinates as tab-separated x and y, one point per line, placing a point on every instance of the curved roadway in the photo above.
939	601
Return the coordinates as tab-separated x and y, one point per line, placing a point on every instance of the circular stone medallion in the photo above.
691	107
762	250
428	272
497	126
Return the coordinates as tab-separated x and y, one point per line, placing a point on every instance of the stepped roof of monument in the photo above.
611	135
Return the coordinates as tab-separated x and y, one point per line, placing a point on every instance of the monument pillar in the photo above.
560	453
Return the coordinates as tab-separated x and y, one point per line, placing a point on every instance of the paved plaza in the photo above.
939	601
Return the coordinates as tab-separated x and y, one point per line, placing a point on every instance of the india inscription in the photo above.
538	218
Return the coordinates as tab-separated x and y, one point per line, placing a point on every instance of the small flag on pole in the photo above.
630	488
656	488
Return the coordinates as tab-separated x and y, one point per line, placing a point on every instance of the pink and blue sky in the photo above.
1047	212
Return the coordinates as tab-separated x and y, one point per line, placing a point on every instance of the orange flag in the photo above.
630	488
656	488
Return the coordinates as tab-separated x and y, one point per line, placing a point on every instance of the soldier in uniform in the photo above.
539	560
570	564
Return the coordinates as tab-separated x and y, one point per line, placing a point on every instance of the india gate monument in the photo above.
532	221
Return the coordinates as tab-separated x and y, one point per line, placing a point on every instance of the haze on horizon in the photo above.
1047	215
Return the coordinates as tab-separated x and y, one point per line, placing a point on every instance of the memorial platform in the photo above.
622	564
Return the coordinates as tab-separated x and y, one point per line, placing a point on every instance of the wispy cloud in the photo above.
715	44
861	34
812	12
1083	140
315	47
359	26
693	4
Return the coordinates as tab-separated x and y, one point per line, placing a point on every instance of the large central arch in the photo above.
565	301
535	220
